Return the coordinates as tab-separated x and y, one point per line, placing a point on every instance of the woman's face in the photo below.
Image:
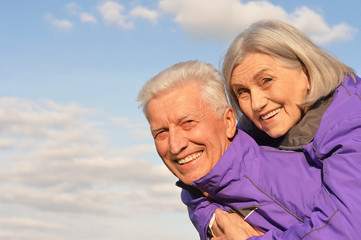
268	92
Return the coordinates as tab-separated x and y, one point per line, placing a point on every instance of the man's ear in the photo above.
230	122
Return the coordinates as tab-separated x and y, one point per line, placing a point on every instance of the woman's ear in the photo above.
304	69
230	122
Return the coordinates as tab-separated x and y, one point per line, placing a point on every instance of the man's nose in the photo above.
258	100
177	142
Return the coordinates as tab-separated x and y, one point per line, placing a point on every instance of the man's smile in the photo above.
189	158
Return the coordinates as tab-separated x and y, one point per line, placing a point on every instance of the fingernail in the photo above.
218	211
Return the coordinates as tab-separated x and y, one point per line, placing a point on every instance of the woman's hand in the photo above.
230	226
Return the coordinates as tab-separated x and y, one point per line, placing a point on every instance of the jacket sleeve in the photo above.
200	210
337	210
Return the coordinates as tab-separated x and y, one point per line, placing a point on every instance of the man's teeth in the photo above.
189	158
271	114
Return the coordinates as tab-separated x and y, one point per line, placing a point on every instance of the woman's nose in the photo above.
258	101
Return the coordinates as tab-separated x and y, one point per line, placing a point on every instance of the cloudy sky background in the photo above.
76	157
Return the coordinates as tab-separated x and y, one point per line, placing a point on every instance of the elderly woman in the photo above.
293	95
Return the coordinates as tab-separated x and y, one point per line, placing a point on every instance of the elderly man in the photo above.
194	130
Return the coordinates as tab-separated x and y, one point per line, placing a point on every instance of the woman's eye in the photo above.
241	91
267	80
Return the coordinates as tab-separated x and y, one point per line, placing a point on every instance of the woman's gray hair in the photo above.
205	75
293	49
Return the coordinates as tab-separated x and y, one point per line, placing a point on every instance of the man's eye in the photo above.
159	135
189	124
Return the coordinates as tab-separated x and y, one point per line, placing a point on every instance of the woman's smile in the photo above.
270	114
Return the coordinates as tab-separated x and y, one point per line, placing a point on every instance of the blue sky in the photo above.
77	159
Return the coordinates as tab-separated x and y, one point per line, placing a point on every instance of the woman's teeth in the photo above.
189	158
271	114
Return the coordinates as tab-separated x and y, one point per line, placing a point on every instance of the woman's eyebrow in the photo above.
254	77
260	72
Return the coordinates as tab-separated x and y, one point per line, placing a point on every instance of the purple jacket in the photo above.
244	180
289	196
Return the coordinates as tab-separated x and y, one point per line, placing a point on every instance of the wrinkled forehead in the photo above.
177	101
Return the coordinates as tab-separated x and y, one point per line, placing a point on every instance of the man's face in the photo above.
189	136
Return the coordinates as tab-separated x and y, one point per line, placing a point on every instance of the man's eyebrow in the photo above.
156	129
179	119
184	116
193	115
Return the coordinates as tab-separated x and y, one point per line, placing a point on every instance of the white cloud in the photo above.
125	122
223	20
115	14
112	13
27	235
62	24
20	117
87	18
141	134
28	223
7	235
55	159
73	8
142	12
139	149
6	143
137	130
59	24
212	19
315	26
